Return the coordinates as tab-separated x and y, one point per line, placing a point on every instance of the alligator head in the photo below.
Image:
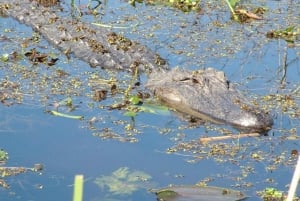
208	95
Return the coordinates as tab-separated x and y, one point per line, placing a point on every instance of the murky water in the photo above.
68	147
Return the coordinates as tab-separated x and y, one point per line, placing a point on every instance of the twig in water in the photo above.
209	139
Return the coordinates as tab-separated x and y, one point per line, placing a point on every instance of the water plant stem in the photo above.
294	182
78	188
133	80
234	15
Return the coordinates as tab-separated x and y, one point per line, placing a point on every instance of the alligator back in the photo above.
95	45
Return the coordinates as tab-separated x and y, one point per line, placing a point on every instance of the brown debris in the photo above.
100	95
47	3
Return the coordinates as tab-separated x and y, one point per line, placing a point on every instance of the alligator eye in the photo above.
227	83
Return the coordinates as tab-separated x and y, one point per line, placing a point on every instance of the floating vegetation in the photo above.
12	171
272	194
47	2
241	14
290	34
287	103
3	156
183	5
107	133
137	105
10	93
123	181
36	57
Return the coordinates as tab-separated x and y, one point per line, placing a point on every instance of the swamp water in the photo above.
122	157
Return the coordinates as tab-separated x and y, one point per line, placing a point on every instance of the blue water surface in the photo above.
67	147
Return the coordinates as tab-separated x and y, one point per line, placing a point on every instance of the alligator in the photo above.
208	95
204	94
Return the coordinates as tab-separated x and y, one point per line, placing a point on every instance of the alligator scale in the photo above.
205	94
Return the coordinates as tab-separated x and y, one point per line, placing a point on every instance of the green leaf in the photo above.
290	29
155	109
130	114
4	57
233	2
135	100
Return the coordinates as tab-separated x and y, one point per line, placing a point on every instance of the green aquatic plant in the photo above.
137	105
123	181
4	57
231	4
272	194
3	156
289	34
55	113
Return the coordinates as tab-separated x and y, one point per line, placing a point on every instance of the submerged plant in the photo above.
123	181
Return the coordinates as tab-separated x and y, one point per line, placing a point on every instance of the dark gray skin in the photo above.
204	94
208	95
95	45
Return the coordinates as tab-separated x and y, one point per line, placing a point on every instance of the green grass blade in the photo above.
55	113
78	188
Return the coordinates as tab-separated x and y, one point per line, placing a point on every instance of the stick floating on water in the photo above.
218	138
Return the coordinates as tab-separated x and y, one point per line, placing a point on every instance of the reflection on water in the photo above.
67	147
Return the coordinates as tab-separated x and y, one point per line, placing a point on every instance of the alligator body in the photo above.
204	94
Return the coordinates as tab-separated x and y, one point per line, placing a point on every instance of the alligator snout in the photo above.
253	121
